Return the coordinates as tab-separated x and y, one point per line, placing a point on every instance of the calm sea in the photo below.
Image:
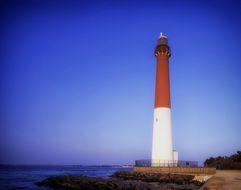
25	177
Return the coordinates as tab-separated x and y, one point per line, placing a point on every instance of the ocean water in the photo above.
25	177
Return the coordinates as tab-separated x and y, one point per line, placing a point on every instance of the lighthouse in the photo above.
162	145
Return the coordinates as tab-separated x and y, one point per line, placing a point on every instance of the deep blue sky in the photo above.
77	79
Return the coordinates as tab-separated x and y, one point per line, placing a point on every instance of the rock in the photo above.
155	177
202	178
123	181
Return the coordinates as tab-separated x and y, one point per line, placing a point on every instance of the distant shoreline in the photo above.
66	165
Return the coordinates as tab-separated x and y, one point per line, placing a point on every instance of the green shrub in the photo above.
231	162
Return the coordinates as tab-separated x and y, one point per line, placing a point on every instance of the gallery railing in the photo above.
165	163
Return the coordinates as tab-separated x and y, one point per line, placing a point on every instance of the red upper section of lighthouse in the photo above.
162	53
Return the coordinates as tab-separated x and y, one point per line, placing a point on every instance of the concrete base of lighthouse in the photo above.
162	148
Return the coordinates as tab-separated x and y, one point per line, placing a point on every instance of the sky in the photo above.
78	79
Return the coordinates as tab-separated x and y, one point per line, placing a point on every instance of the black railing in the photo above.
165	163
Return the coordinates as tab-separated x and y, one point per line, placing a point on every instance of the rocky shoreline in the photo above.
124	181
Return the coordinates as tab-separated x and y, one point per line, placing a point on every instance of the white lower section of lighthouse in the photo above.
162	148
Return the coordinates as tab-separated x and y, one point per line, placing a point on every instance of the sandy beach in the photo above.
224	180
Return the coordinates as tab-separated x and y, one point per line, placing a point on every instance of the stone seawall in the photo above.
177	170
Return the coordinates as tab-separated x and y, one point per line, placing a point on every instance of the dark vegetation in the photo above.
232	162
154	177
123	181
